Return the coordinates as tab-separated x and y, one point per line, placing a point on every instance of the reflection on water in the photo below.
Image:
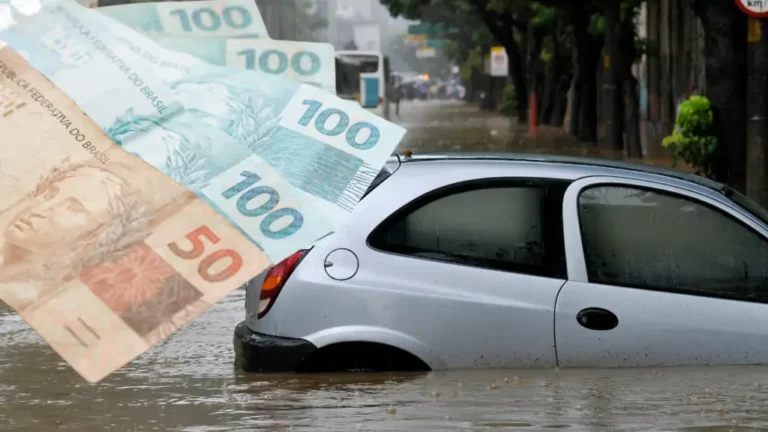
189	384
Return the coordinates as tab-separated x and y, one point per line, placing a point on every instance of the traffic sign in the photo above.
433	29
425	52
499	62
754	8
415	40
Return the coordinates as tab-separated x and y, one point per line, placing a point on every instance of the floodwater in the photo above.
189	383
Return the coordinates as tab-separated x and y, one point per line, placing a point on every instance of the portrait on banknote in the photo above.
87	221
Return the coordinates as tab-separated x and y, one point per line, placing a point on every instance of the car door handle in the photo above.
597	319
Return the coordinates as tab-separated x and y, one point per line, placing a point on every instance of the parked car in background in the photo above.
487	261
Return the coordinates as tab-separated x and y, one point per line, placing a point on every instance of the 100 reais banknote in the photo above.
219	18
309	62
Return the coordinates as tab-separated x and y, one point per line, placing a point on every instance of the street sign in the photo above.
754	8
415	40
434	43
426	52
432	30
499	62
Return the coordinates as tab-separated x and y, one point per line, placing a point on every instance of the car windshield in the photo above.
347	79
366	63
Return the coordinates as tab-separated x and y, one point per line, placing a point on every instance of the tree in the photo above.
496	16
725	46
290	20
403	58
554	45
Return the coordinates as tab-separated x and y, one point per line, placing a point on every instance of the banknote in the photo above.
103	256
274	214
213	18
308	62
327	150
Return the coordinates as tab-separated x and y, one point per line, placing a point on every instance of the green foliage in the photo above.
693	140
543	16
474	59
508	101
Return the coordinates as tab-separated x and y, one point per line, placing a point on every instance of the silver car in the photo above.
493	261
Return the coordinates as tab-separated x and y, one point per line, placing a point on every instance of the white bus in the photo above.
362	76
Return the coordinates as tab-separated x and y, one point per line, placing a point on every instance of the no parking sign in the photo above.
754	8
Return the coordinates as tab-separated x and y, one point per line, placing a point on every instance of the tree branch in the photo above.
503	33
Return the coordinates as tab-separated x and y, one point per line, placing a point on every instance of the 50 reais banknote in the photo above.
104	256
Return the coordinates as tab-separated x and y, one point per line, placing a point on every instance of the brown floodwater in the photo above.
189	383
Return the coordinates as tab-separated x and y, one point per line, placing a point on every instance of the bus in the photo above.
362	76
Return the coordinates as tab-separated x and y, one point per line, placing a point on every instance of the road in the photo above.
189	383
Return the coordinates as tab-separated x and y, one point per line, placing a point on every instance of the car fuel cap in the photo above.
341	264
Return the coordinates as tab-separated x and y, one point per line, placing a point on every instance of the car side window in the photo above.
637	237
512	227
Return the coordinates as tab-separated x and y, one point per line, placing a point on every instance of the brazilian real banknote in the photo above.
309	62
295	128
285	162
217	18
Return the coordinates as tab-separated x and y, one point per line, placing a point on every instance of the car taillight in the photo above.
381	100
275	280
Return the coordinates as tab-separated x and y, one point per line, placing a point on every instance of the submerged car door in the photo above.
475	267
660	275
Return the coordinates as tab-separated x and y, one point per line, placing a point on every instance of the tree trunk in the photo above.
725	42
632	118
561	101
516	69
575	111
548	101
757	112
626	56
554	76
612	108
586	55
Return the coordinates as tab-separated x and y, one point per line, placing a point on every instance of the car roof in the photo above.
543	158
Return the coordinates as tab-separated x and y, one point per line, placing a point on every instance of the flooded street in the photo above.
189	382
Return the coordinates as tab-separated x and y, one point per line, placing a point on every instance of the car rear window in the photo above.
386	171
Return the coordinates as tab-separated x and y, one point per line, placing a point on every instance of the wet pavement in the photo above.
189	382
